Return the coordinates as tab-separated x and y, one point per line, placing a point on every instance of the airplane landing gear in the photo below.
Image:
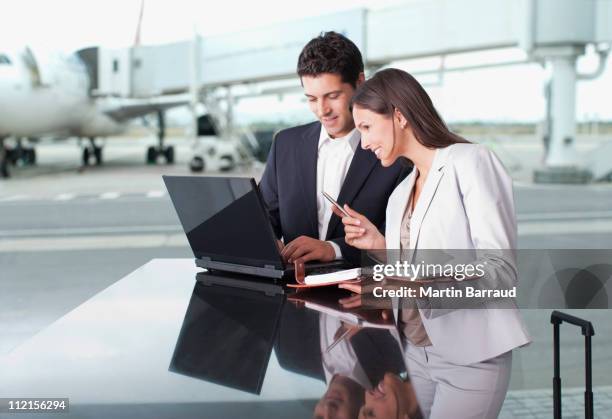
4	170
18	155
92	150
29	156
154	152
21	155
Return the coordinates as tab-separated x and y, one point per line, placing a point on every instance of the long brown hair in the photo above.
392	89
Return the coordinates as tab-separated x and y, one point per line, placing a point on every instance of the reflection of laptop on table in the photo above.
227	336
227	225
243	282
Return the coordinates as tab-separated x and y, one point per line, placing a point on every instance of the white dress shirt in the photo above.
333	162
341	359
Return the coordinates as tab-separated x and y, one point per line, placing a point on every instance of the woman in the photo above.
457	197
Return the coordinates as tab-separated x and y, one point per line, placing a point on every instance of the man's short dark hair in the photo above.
333	53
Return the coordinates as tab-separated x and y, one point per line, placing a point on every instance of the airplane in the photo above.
55	94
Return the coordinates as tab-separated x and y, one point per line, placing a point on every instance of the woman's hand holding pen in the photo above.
359	231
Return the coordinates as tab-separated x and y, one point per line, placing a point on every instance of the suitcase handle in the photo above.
556	318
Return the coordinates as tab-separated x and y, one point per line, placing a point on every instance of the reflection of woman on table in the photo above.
458	196
344	374
355	360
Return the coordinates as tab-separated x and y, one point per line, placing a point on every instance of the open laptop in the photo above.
228	227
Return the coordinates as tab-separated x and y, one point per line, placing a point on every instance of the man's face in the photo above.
390	399
342	400
328	98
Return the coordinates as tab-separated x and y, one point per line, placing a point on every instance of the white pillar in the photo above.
562	149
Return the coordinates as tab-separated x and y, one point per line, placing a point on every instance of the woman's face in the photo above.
377	135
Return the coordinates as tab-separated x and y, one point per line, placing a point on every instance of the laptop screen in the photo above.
224	219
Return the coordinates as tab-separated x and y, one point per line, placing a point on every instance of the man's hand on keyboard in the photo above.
306	249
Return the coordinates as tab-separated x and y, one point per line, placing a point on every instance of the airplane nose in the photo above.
3	96
6	92
9	89
6	84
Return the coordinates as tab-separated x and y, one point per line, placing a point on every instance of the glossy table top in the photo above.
158	343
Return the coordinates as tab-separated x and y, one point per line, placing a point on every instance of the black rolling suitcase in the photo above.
556	319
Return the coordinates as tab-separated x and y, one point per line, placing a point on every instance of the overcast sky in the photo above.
501	94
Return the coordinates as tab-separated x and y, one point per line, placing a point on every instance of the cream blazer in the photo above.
466	203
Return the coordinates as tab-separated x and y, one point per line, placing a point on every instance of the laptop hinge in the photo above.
269	271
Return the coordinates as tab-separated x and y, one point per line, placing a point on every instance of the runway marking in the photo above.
565	215
64	197
80	199
561	228
127	241
156	194
73	231
13	198
110	195
519	184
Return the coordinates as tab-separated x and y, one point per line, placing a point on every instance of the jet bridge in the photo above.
552	32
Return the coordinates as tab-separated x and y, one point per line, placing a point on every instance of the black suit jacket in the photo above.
289	185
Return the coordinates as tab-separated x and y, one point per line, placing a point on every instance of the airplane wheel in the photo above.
28	157
169	154
86	155
151	155
197	164
4	172
227	163
4	169
98	155
12	156
31	156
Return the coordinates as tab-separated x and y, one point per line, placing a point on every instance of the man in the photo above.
325	156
